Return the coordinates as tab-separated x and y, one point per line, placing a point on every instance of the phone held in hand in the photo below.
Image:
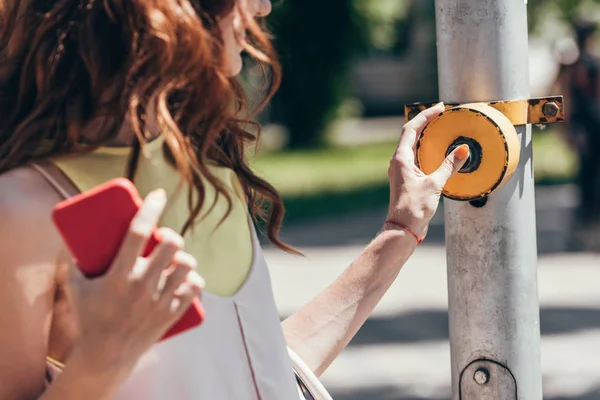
93	225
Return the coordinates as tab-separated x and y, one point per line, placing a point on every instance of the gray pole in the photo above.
492	255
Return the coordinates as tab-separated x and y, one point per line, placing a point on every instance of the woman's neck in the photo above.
126	137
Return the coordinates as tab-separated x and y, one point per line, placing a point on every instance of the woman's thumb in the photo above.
451	165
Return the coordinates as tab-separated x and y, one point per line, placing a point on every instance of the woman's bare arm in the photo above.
28	252
323	328
27	271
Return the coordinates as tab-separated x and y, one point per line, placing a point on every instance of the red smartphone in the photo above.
93	225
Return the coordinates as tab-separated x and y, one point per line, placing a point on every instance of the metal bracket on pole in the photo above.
535	111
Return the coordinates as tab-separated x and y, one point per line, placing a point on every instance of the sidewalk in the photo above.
402	352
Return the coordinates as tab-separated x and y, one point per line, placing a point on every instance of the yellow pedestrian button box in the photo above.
489	131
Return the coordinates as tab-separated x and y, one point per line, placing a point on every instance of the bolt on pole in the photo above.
491	246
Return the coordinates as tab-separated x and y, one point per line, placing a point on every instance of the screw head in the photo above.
482	376
550	109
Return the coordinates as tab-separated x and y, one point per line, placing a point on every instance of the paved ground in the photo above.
402	352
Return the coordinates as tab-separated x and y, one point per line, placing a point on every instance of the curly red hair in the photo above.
64	63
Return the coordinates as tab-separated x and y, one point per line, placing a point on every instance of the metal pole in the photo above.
491	249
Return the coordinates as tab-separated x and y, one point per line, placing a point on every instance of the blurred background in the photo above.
349	67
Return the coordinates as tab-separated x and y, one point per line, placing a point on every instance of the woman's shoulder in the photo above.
25	191
26	203
29	248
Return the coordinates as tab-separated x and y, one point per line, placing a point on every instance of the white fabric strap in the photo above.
51	180
308	378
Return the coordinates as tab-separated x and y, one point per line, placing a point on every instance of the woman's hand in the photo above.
121	314
414	196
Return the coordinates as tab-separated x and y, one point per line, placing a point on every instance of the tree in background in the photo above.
316	41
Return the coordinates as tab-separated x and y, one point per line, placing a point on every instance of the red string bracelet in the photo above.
407	229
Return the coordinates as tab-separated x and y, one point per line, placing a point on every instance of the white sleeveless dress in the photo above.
238	353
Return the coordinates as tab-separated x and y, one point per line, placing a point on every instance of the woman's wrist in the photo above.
401	242
416	227
82	378
391	224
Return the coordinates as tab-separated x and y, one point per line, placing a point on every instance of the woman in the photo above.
92	90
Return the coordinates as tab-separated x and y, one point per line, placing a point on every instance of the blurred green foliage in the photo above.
385	20
566	10
317	41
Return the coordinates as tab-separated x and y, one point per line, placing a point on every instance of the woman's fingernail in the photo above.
462	151
158	196
197	280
